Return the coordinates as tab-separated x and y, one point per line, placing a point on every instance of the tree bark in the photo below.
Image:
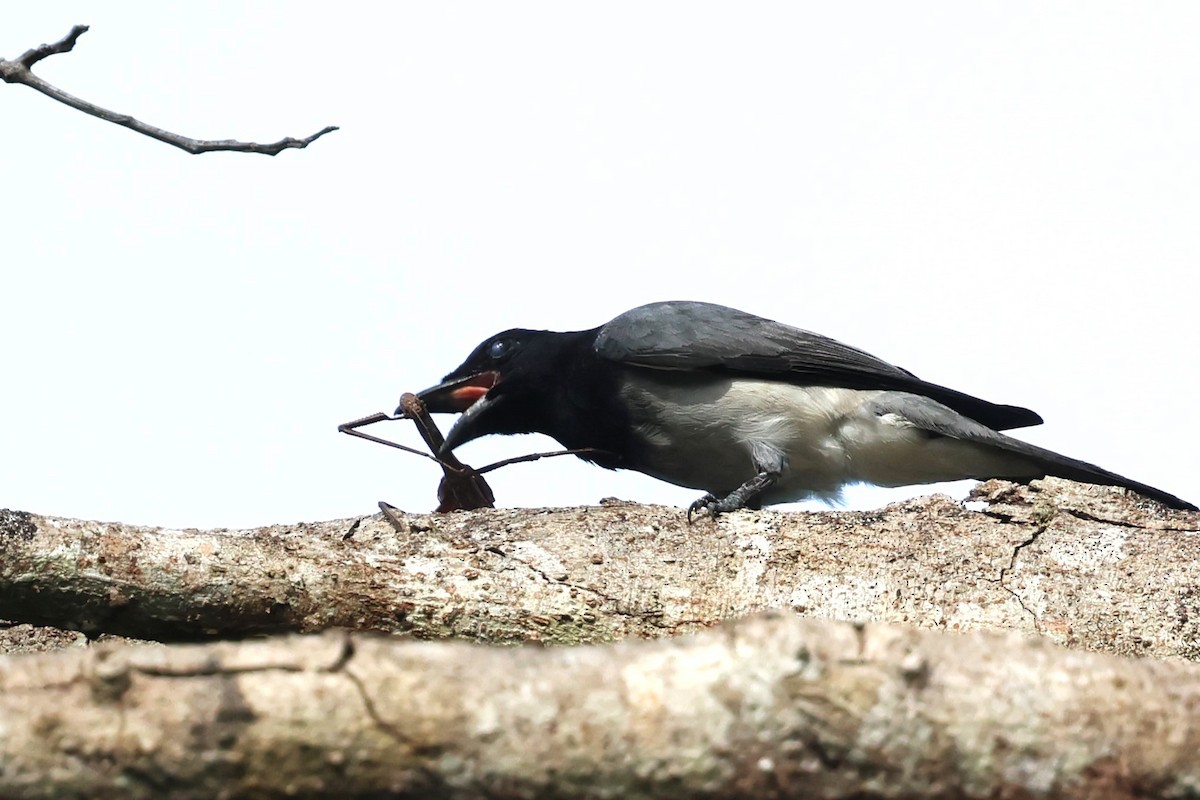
1089	567
770	706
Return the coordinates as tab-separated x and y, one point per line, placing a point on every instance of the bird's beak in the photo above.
467	396
457	395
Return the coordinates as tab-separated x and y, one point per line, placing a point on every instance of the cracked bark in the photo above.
1033	537
769	706
1087	566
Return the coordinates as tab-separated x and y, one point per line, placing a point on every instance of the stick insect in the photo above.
462	487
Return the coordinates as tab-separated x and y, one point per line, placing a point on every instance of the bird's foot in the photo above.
713	506
707	504
748	495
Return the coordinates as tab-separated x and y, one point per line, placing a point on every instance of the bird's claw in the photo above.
708	504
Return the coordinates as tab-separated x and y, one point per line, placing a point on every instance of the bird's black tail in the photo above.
1033	461
1060	466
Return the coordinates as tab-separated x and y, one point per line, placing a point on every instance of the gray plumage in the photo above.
757	412
690	335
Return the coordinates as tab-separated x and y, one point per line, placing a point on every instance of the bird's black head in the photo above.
510	383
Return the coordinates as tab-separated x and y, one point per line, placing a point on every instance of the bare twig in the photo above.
20	71
63	45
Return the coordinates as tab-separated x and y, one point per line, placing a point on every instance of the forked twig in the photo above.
20	70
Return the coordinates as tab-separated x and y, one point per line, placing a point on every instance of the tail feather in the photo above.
1061	466
932	416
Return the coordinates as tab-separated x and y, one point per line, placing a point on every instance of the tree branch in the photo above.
64	45
20	71
771	706
1091	567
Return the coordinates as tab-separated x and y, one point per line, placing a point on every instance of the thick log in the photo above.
774	706
1087	566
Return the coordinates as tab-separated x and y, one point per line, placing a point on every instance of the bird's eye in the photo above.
499	349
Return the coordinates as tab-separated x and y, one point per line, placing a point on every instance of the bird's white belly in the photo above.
716	434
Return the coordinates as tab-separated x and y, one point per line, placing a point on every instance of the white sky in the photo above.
1002	197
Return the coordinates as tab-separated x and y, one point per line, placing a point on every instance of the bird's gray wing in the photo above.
688	335
935	418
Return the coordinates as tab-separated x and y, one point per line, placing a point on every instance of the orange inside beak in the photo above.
473	390
467	395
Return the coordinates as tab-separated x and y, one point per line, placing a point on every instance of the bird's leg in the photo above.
352	428
740	497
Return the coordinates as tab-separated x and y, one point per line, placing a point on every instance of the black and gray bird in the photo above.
748	410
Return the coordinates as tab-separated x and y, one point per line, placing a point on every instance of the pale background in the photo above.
1002	197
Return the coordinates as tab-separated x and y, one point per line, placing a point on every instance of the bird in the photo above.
750	411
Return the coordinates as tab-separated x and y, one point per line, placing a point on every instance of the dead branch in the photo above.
20	70
1090	567
772	706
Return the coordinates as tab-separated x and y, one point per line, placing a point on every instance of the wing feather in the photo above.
689	335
